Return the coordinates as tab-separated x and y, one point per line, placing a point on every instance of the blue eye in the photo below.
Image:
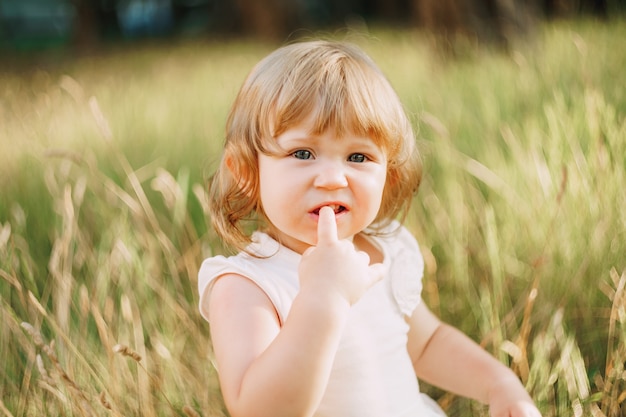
357	157
302	154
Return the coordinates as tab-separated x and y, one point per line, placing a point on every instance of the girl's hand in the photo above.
334	268
508	398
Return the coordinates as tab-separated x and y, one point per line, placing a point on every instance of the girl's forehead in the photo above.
309	128
316	120
301	133
343	110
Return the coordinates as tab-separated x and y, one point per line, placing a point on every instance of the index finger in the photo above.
326	226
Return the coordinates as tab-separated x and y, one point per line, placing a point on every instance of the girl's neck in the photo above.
363	243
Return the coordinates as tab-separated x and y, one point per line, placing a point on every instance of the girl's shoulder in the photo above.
267	264
394	234
404	261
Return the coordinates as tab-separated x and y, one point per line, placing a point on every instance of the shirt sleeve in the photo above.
211	269
275	276
406	272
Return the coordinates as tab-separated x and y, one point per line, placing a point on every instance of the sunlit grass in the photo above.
102	229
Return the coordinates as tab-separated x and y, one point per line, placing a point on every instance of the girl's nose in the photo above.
331	176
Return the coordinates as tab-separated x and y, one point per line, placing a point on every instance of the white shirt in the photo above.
372	373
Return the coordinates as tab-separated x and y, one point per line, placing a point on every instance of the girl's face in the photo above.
346	173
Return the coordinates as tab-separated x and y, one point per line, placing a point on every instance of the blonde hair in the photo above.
343	89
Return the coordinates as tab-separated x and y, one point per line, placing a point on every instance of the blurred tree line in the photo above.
85	23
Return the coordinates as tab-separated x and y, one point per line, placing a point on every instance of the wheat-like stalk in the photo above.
83	401
126	351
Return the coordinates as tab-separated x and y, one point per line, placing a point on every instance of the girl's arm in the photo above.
447	358
266	369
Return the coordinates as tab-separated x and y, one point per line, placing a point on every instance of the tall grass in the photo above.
102	216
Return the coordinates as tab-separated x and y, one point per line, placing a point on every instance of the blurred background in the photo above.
84	24
112	115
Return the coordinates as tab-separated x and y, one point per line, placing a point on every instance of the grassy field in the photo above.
521	215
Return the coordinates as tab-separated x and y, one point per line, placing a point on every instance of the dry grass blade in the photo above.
614	384
103	400
101	121
126	351
190	412
135	183
81	400
5	410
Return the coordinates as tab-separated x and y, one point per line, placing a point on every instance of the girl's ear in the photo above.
236	170
232	166
240	172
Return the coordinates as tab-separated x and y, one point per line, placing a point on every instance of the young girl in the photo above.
320	312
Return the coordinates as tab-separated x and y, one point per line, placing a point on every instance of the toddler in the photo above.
320	311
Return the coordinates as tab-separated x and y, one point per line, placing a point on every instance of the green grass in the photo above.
102	224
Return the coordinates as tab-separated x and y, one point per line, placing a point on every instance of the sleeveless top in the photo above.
372	374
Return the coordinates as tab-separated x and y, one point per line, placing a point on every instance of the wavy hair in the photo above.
342	89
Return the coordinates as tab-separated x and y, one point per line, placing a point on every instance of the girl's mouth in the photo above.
337	208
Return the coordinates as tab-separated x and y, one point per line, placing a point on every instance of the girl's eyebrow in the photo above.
364	140
300	138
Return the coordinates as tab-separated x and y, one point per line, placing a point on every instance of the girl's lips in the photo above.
337	208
